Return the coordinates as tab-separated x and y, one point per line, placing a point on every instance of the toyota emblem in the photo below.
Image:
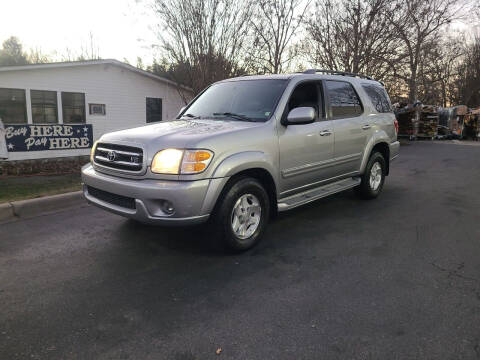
111	156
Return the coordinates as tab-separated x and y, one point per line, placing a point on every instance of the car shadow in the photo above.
199	239
194	239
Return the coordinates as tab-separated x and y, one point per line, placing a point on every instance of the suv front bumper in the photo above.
192	201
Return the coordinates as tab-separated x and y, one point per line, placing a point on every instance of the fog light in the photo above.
167	207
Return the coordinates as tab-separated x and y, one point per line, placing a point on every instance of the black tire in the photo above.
221	219
365	190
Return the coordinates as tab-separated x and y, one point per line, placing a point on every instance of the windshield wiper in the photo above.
234	116
191	116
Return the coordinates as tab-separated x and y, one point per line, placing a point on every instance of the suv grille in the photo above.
119	200
120	157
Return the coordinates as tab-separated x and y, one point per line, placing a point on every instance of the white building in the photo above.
59	109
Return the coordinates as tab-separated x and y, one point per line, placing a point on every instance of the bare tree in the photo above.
417	23
351	35
204	37
275	25
438	69
180	73
140	64
88	51
37	56
12	53
468	80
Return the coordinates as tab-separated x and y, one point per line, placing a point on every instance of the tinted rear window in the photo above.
379	98
343	98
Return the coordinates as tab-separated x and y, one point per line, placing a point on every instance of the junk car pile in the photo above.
418	121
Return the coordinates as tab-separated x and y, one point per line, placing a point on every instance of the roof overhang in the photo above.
90	63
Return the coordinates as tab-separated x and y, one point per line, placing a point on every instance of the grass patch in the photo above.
28	187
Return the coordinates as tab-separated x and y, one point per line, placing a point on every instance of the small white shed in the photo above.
60	109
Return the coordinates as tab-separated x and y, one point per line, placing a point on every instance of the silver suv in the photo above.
246	148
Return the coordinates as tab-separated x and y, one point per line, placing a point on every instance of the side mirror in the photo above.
181	111
301	115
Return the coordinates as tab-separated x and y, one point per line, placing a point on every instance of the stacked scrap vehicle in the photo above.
417	120
407	120
462	122
476	113
471	126
457	120
427	121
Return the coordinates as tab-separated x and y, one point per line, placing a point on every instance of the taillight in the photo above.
396	126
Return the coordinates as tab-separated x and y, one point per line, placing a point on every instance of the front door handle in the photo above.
366	127
325	133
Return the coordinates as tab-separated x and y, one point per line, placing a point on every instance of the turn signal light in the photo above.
195	161
202	155
193	167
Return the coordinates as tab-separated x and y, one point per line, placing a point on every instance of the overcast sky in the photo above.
121	28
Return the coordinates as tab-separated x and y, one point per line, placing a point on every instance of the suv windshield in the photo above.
244	100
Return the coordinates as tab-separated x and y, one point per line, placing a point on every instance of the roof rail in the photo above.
335	72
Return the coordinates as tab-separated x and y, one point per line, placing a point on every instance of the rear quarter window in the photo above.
378	97
343	99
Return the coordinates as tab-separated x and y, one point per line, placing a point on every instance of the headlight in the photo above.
167	161
174	161
92	152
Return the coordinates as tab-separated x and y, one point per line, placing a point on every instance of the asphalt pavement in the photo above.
342	278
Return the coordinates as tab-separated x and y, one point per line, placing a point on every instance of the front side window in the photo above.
379	98
154	109
13	108
306	95
73	107
344	101
254	100
44	107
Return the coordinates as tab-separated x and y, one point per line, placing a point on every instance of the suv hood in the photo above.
176	133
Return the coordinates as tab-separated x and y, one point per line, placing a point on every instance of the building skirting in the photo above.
48	166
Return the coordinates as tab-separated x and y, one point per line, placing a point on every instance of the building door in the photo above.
154	110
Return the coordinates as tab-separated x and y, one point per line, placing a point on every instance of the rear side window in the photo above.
379	98
344	101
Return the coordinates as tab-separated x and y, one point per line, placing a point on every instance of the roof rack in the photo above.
335	72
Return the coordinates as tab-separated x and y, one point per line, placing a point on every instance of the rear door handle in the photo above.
325	133
366	127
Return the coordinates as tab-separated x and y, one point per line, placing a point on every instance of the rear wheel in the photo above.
373	178
241	215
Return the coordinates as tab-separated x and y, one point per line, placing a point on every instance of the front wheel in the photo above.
373	178
242	214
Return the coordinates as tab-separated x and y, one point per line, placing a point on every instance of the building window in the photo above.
44	107
13	107
73	106
96	109
344	101
154	109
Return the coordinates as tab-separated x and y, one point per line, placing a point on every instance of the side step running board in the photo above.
317	193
